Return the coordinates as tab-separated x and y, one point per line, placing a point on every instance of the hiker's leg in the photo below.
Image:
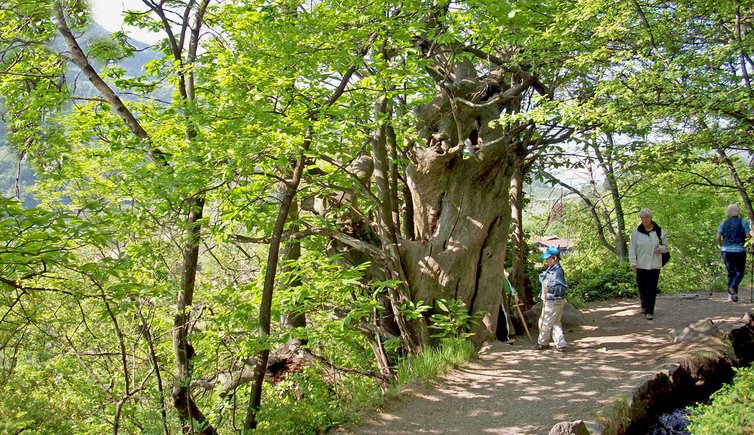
501	329
546	323
738	261
509	322
647	281
557	327
642	283
728	257
647	289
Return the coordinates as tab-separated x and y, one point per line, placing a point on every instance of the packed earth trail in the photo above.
515	389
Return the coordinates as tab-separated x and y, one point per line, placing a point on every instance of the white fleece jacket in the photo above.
641	253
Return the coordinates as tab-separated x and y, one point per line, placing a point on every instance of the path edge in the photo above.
698	375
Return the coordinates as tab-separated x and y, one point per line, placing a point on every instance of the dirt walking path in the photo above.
514	389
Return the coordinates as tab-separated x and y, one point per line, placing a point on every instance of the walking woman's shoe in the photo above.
541	347
649	316
732	295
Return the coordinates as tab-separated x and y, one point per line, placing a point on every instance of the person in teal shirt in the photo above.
732	234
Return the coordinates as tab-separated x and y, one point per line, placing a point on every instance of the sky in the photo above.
109	14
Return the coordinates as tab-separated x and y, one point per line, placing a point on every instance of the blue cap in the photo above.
550	252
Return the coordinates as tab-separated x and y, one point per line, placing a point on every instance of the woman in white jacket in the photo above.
648	243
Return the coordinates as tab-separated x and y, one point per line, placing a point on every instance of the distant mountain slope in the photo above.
134	66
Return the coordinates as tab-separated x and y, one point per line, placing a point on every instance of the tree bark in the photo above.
463	259
738	183
265	308
461	199
518	238
183	401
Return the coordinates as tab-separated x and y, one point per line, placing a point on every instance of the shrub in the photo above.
599	280
306	403
731	409
452	319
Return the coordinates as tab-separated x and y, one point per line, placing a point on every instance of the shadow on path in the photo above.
514	389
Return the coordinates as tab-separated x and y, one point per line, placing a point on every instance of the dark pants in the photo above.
735	263
501	332
646	280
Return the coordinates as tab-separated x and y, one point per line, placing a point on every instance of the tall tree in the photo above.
685	76
183	47
602	163
397	128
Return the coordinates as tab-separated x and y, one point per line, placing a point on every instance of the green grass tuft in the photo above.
452	353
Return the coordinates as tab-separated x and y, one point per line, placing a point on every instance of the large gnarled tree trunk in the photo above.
461	197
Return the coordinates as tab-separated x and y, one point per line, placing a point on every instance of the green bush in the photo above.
306	403
452	319
730	411
598	280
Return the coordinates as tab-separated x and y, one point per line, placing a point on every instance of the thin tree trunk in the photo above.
410	334
184	352
742	56
156	365
621	245
518	241
20	166
738	183
79	58
593	211
292	252
265	308
395	186
182	400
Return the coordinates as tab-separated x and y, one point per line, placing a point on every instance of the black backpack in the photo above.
665	255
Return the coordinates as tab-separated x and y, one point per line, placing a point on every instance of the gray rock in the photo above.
569	428
695	332
572	317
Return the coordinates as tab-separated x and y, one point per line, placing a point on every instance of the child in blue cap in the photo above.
553	300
